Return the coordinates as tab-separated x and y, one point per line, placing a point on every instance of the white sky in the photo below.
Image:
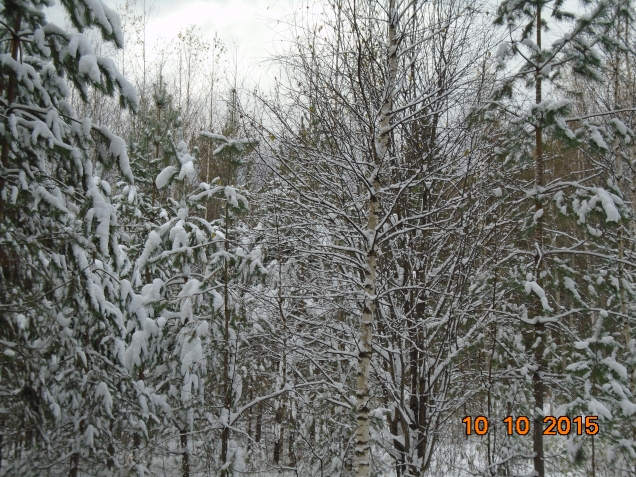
251	25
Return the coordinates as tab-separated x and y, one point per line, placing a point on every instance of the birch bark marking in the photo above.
362	452
539	328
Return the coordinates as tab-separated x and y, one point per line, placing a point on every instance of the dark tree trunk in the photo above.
185	456
259	424
11	93
537	378
74	472
280	443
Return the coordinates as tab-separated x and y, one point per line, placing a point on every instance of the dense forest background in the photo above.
427	215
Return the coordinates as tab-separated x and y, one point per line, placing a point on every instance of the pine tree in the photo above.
62	327
234	264
564	227
170	339
184	291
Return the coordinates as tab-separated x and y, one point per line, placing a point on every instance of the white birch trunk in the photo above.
362	452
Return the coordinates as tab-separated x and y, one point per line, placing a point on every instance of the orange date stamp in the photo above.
562	425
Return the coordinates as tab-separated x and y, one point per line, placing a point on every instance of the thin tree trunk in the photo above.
11	93
279	444
110	461
619	179
362	450
411	308
185	456
415	372
249	419
137	435
290	449
209	150
227	385
630	194
154	183
537	378
259	424
74	472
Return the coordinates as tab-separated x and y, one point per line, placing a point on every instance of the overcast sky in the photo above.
251	25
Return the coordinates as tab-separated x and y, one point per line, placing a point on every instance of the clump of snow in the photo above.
139	343
179	236
101	211
191	354
164	176
118	149
207	191
96	8
531	44
608	202
186	311
107	400
233	197
628	407
153	241
533	286
217	300
187	170
55	202
597	408
128	91
502	49
581	344
570	285
615	366
239	145
191	287
594	232
597	137
115	23
203	329
620	126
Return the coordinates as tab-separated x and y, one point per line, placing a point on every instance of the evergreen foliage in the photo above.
431	217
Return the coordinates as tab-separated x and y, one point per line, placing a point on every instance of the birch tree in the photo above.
345	157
